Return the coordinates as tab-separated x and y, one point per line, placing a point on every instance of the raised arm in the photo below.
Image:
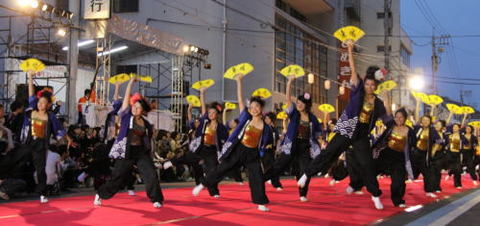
241	103
202	100
117	90
128	91
31	87
189	112
386	102
354	76
224	117
288	94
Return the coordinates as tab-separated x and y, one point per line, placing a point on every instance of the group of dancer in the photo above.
252	141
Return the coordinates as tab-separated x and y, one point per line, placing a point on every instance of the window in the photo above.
381	15
125	6
382	48
405	56
297	47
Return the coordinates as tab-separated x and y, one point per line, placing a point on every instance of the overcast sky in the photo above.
460	17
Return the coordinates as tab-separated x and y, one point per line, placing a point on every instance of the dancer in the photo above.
425	138
470	142
454	151
439	156
300	144
393	151
353	128
245	146
132	146
39	126
268	158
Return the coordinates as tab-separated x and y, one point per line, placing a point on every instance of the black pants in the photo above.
354	171
268	160
436	171
394	162
456	168
421	166
363	157
300	156
208	157
236	173
469	160
250	159
327	157
123	169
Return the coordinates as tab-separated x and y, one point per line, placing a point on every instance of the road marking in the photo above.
450	212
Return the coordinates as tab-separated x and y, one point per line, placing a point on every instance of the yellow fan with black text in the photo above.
243	68
349	33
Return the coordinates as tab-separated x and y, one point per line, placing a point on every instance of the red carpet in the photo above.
327	205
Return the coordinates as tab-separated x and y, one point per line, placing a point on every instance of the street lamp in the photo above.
416	82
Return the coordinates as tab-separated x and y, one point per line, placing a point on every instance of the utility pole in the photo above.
437	42
387	23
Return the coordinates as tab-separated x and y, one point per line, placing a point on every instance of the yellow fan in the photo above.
409	123
467	110
230	106
424	98
194	100
145	78
386	86
203	84
319	120
379	123
475	124
282	115
293	69
243	68
327	108
454	108
284	106
32	64
262	92
121	78
434	100
349	33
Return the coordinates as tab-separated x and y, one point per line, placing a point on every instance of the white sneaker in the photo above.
332	182
167	165
279	189
303	199
302	181
402	205
131	192
43	199
358	193
81	177
438	192
349	190
378	204
157	205
263	208
459	188
197	189
216	196
431	195
97	201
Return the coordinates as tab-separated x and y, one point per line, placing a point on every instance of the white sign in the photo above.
96	9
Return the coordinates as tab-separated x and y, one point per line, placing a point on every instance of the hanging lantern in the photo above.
341	91
327	84
311	78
